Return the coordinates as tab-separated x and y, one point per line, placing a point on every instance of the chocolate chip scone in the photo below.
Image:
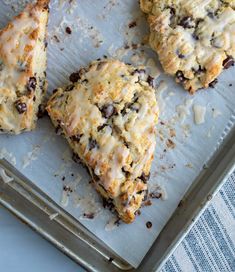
108	115
22	68
195	40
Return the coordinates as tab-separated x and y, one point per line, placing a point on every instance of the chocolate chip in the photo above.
68	30
89	215
180	76
144	177
155	195
150	81
138	71
74	77
76	138
41	111
138	212
211	14
108	110
32	83
20	106
127	173
85	81
66	188
69	88
92	144
181	56
213	83
76	158
132	24
195	36
199	71
99	128
187	22
101	65
149	225
134	46
228	62
145	195
108	203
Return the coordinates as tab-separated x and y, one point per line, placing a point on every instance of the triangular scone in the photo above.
23	68
195	40
108	115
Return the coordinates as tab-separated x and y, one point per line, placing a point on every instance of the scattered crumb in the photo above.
157	191
189	165
132	24
172	132
199	114
112	224
170	144
88	216
184	110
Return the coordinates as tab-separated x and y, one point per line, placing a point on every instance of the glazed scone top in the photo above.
194	39
112	114
18	47
108	116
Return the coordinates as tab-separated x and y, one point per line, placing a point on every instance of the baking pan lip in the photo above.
218	169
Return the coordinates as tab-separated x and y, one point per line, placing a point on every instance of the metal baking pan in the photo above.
32	206
34	195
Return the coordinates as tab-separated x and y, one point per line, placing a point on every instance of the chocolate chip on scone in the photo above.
109	119
22	68
195	40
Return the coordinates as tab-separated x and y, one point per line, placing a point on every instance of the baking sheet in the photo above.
102	28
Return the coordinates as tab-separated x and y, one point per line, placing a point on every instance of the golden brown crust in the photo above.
23	65
194	39
108	117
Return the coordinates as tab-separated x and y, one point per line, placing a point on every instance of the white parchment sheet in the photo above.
100	28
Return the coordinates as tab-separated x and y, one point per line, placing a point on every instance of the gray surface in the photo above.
22	250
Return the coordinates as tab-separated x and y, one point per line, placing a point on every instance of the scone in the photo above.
108	115
23	68
195	40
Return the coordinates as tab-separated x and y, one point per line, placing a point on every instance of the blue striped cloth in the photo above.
210	245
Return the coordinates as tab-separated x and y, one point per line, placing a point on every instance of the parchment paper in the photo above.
100	28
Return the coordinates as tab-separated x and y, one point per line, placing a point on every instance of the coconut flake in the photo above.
199	114
112	224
